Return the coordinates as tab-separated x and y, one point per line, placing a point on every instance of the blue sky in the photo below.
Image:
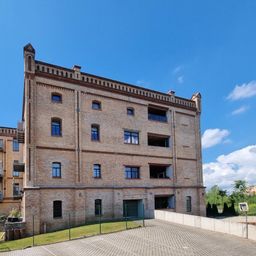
186	46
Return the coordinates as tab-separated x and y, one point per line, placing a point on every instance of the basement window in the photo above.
158	171
158	140
157	114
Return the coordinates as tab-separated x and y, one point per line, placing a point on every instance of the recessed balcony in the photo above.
18	166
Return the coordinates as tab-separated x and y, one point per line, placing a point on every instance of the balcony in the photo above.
157	140
157	114
1	171
18	166
1	145
160	171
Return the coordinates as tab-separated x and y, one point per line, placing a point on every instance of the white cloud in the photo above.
212	137
243	91
177	70
238	165
240	110
180	79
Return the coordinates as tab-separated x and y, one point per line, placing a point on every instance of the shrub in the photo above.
215	211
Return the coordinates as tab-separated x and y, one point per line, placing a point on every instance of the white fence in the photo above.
227	227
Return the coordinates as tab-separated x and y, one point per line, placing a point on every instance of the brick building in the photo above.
11	166
94	143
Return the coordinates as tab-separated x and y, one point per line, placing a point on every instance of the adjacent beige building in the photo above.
11	177
95	145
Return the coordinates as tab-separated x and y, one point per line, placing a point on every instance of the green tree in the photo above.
213	196
240	186
239	191
222	194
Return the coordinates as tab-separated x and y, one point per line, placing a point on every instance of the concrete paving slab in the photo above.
157	239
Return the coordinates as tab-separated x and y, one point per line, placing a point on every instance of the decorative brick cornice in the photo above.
88	80
8	132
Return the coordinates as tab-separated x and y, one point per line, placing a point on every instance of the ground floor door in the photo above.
132	208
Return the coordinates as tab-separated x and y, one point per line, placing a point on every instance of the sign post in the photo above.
243	207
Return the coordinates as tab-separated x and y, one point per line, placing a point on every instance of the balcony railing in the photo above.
157	117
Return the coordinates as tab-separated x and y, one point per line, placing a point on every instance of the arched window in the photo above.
57	209
96	105
56	170
56	97
130	111
96	171
56	127
95	132
188	204
29	63
98	207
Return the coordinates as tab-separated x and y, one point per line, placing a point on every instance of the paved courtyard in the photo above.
158	238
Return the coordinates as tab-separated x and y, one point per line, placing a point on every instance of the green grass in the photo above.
63	235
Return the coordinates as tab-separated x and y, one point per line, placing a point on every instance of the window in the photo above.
157	114
1	144
130	111
56	170
131	137
96	171
16	189
29	63
56	98
158	140
56	127
15	173
57	209
188	203
98	207
15	145
132	172
96	105
95	132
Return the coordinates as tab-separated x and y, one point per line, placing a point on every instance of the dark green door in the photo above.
131	208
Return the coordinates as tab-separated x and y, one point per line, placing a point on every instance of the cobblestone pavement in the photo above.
158	238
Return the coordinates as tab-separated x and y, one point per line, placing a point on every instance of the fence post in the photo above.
143	215
100	222
246	221
125	212
100	218
33	230
69	228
